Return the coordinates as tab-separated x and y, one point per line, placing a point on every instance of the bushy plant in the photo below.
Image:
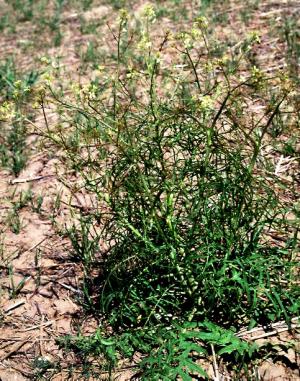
185	195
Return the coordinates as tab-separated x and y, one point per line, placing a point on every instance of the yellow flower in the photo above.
45	60
123	16
149	13
18	84
7	111
132	73
47	78
76	89
209	67
201	22
285	81
195	33
206	103
253	37
186	39
144	44
16	93
89	92
257	74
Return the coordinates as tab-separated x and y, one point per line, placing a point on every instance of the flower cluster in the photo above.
20	89
201	23
145	43
123	16
254	38
148	13
206	103
7	111
257	76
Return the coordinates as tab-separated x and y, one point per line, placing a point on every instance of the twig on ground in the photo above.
41	337
278	327
38	326
215	365
267	334
15	348
70	288
244	331
35	245
14	306
28	179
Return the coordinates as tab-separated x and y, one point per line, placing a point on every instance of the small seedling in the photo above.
16	288
37	204
14	222
37	258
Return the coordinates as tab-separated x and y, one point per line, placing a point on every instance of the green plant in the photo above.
13	218
16	142
290	33
176	11
86	4
167	352
179	349
23	200
185	201
4	22
289	147
14	92
54	22
90	56
2	248
37	204
8	77
24	9
15	289
37	259
14	222
43	368
116	4
89	27
85	246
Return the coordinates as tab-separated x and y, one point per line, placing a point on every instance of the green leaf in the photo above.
184	376
193	367
228	349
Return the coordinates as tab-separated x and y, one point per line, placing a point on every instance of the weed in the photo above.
14	222
89	27
117	4
43	367
4	22
37	259
176	252
25	197
289	148
16	142
23	8
14	91
90	56
185	206
54	22
37	204
2	246
13	218
85	247
86	4
15	289
290	32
